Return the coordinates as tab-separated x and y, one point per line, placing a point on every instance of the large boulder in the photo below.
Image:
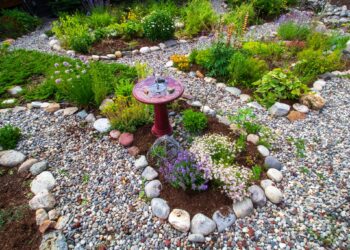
160	208
224	218
180	220
313	101
257	196
43	182
201	224
243	208
43	200
11	158
153	188
274	194
279	109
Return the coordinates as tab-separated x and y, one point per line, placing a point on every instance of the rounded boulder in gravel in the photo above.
11	158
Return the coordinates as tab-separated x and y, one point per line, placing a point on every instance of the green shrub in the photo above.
278	84
244	70
127	114
9	136
315	62
194	122
124	88
131	29
269	8
257	171
73	32
292	31
238	15
264	50
15	23
320	41
198	16
100	17
158	26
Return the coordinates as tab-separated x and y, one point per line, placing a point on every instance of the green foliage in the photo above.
244	70
194	122
124	88
244	119
158	26
299	144
241	143
315	62
126	114
15	23
269	8
67	6
278	84
257	171
9	136
100	17
12	214
266	137
291	31
321	41
264	50
237	17
143	70
131	29
73	31
198	16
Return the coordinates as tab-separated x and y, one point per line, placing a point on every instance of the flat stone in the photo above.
82	114
114	134
25	166
149	173
133	151
263	150
41	216
275	175
38	167
279	109
209	79
180	220
162	45
253	138
160	208
111	56
53	42
199	238
272	162
295	116
145	50
301	108
90	118
44	105
234	91
265	183
16	90
126	139
102	125
224	218
43	200
243	208
95	57
57	47
53	241
154	48
52	107
274	194
201	224
70	111
11	158
257	196
153	188
61	222
9	101
43	182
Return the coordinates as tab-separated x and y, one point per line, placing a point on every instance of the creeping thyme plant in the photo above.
217	152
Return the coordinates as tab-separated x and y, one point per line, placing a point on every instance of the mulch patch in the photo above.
206	202
20	230
111	45
250	157
144	139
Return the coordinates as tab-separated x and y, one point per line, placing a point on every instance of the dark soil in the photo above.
143	138
111	45
206	202
250	157
341	3
216	127
18	228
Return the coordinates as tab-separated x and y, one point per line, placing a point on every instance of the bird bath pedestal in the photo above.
159	92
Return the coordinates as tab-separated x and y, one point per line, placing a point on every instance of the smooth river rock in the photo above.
160	208
257	196
274	194
153	188
43	182
201	224
180	220
275	175
243	208
224	219
11	158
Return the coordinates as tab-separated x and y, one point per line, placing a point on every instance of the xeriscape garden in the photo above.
258	152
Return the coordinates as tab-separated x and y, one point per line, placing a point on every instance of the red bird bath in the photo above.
159	92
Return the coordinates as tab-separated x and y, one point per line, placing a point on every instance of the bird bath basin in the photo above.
159	92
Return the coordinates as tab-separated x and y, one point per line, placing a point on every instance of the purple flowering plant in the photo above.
184	172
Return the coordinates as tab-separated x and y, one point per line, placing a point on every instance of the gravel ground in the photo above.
98	186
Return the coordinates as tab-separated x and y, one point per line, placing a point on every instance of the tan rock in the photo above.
118	54
25	166
313	101
134	151
53	107
199	74
295	116
47	224
41	216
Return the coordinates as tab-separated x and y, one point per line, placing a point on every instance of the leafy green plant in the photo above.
257	171
143	70
269	8
241	143
9	136
100	17
264	50
126	114
278	84
131	29
124	88
314	62
194	122
158	26
244	70
292	31
198	16
299	144
14	23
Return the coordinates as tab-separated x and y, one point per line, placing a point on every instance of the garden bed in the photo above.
18	229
